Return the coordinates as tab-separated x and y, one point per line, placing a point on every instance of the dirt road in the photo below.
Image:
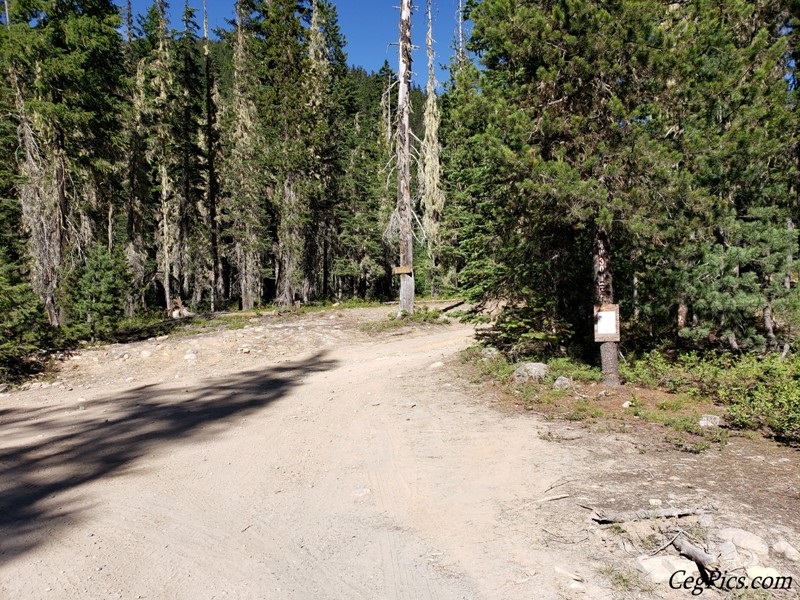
299	460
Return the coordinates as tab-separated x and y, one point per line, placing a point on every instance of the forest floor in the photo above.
316	456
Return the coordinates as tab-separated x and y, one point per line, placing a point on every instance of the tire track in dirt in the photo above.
362	472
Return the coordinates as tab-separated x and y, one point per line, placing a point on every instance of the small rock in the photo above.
3	387
572	576
161	338
244	350
578	587
627	404
728	553
785	549
530	371
705	521
489	353
436	365
709	421
146	354
190	356
660	568
655	502
745	540
562	383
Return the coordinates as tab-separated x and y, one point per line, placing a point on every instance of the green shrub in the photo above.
765	393
526	331
96	300
23	328
758	391
567	367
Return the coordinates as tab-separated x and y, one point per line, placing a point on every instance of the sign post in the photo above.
607	332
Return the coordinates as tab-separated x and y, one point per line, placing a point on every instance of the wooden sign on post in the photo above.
402	270
606	323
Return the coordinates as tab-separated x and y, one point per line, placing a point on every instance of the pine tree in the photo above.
64	62
432	196
139	213
281	74
159	104
243	197
193	247
22	324
732	112
361	258
96	297
547	171
211	143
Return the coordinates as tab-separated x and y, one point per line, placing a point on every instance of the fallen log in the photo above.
706	563
692	552
604	517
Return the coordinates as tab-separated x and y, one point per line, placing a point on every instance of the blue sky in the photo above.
370	27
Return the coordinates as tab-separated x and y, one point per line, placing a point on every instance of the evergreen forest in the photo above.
637	152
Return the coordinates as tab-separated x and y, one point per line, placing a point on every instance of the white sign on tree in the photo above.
606	323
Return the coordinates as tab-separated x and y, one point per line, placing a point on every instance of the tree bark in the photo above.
404	161
212	189
604	294
431	195
787	282
683	313
462	48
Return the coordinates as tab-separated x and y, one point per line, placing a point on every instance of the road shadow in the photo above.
46	454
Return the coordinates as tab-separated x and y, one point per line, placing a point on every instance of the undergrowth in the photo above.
758	392
685	394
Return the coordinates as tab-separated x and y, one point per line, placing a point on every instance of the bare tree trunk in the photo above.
683	313
787	282
769	327
166	233
326	267
128	21
40	213
604	294
110	228
462	49
404	162
386	112
212	184
289	246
